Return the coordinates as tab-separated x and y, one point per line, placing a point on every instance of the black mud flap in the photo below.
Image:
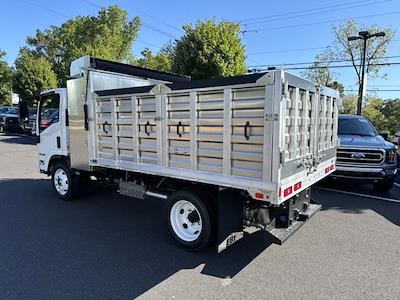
230	218
279	235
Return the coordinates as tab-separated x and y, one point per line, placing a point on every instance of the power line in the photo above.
327	61
314	13
336	66
297	50
46	8
317	23
375	90
302	11
144	24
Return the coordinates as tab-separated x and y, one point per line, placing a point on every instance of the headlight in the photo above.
390	155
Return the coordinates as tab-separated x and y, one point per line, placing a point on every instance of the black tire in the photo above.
73	187
205	207
384	186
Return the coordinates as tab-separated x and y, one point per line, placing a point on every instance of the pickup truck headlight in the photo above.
390	155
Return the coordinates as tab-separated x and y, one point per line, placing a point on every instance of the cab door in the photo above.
52	139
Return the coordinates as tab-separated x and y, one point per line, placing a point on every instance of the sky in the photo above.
278	32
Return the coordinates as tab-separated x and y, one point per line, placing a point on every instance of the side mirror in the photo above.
385	135
23	110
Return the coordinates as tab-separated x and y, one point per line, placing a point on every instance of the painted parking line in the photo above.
360	195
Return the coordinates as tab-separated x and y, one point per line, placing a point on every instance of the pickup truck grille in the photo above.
361	156
12	120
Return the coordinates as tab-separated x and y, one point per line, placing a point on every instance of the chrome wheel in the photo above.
185	220
61	182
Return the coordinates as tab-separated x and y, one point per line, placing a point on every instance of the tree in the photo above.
5	80
352	50
349	104
320	73
372	110
210	49
33	74
109	35
391	111
160	61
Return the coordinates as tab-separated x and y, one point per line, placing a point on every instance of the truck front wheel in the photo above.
190	218
384	186
63	182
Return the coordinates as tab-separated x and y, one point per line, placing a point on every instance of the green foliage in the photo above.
320	73
391	110
33	74
352	50
210	49
372	110
5	80
108	35
349	104
383	114
160	61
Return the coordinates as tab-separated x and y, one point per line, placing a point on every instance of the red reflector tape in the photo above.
297	186
326	170
287	191
259	195
280	192
332	167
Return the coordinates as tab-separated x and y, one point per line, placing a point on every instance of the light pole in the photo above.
365	36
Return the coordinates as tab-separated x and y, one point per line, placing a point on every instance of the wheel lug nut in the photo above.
181	211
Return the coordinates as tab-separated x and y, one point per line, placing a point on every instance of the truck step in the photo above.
280	235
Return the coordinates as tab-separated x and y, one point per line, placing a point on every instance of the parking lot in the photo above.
105	245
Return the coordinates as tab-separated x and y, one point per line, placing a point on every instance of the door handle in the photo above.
145	128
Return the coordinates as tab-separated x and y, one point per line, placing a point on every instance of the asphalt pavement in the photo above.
107	246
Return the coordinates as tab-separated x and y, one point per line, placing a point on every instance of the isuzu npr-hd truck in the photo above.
223	153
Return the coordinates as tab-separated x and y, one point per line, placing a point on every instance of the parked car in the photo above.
48	118
30	122
9	121
363	154
4	109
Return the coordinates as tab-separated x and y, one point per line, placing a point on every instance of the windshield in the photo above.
13	111
356	126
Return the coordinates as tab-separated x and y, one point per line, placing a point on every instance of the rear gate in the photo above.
309	134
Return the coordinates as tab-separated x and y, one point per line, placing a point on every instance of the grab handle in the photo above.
104	127
177	129
246	127
145	128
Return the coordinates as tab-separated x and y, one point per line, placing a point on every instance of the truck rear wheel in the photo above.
63	182
190	218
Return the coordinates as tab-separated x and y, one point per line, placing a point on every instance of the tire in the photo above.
191	219
384	186
65	184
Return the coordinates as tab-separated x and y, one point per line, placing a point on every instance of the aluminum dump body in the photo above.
273	134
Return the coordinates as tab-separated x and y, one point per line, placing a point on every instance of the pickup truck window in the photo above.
356	126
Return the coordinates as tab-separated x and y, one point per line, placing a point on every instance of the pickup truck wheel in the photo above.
63	181
384	186
190	220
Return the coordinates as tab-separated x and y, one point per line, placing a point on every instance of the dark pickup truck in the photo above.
363	154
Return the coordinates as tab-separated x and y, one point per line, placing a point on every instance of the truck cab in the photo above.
363	154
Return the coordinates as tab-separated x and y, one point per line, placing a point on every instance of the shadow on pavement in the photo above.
357	204
12	138
100	246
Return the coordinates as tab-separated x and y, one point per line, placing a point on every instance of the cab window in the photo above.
49	108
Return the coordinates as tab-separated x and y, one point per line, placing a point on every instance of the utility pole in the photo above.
365	36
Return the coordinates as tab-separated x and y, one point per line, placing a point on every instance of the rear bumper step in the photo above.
280	235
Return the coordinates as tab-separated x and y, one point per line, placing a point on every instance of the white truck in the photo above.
224	153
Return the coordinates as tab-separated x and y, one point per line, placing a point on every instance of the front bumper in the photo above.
369	174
